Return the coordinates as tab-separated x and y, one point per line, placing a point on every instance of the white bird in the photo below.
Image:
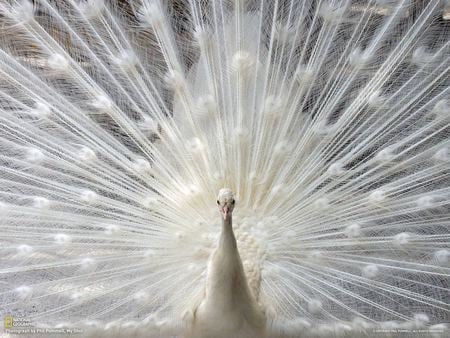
327	120
229	308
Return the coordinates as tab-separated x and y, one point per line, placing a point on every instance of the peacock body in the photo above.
327	120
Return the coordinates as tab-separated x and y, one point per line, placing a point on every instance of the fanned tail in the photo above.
119	122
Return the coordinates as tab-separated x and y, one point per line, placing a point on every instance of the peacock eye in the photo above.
232	202
218	203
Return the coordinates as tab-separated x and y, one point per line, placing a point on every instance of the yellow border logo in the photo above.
9	322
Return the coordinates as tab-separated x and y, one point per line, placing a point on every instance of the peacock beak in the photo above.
225	211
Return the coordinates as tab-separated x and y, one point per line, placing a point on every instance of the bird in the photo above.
225	168
236	315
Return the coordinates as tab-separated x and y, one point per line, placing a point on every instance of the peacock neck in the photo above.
227	239
225	274
228	306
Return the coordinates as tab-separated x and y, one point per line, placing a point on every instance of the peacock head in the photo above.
225	201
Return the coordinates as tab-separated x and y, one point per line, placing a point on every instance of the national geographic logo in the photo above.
21	326
11	322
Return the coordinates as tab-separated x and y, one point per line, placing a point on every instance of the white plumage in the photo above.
328	120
